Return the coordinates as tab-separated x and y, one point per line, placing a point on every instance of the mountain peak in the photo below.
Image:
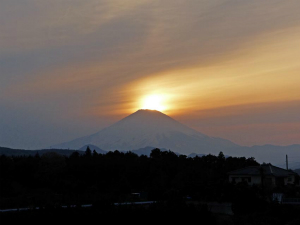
148	118
148	111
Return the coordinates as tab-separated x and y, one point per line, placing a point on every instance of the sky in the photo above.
227	68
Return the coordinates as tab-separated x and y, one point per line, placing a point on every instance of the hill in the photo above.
21	152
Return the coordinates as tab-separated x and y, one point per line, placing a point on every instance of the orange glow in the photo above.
154	102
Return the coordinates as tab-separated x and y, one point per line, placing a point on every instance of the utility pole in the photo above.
287	162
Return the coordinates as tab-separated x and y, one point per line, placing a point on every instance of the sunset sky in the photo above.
227	68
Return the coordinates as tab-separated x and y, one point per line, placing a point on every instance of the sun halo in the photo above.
153	102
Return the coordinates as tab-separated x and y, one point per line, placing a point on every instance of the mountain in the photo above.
146	128
151	128
193	155
292	165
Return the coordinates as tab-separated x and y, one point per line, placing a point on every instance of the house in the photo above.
270	175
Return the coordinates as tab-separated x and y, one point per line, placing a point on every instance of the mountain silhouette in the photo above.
151	128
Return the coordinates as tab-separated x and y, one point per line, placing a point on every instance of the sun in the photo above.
154	102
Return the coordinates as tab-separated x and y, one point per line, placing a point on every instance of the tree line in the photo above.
79	179
180	185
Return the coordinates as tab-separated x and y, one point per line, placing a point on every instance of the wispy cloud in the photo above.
101	57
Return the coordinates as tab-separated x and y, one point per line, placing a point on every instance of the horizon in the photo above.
151	110
154	110
128	134
227	69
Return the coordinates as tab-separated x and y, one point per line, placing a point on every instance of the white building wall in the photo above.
257	179
240	178
289	180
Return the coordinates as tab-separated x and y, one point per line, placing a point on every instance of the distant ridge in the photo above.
66	152
145	151
192	155
142	151
260	153
20	152
272	154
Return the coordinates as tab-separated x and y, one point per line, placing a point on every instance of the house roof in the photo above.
268	169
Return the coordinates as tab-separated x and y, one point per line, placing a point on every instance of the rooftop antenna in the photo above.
287	162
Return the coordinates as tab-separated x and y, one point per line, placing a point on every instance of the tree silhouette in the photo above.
88	152
95	154
155	153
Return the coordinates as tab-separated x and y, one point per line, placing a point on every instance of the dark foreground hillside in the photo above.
270	214
180	186
153	213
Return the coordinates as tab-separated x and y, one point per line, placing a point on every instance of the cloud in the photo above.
86	59
260	123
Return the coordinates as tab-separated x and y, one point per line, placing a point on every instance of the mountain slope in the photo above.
151	128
